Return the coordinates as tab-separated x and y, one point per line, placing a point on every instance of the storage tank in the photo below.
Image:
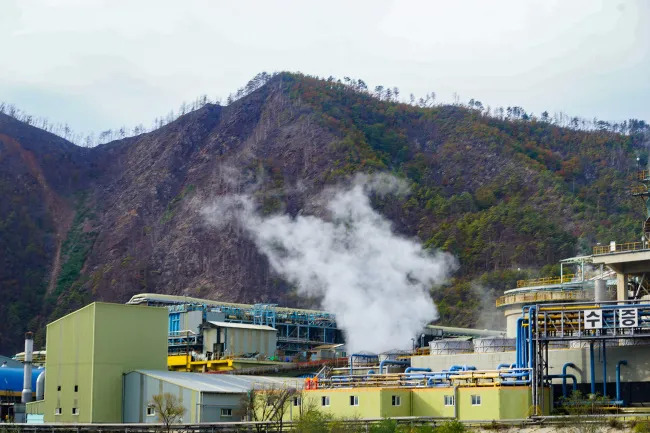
600	291
450	346
494	344
12	379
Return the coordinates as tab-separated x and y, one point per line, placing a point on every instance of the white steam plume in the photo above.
375	282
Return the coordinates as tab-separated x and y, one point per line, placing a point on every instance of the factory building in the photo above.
471	403
89	350
298	330
204	397
222	339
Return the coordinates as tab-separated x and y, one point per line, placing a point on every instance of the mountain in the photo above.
104	223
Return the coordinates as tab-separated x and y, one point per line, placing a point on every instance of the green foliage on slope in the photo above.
498	194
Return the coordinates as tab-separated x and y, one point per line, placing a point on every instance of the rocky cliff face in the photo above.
106	223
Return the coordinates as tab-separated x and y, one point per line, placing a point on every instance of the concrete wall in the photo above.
638	357
91	348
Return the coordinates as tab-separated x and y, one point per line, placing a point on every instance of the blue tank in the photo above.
11	379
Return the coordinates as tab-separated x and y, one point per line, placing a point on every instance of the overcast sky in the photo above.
102	64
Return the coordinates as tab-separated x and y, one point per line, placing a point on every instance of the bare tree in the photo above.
169	409
270	404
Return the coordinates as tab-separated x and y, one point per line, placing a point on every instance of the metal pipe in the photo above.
618	379
410	369
40	386
391	362
360	355
604	368
462	368
26	396
564	373
500	366
592	367
518	343
564	378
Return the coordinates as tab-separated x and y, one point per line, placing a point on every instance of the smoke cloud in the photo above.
376	282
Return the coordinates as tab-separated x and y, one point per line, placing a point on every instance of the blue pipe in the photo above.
592	367
618	380
462	368
519	342
500	366
522	374
410	369
564	377
531	350
371	372
360	355
604	369
516	382
391	362
564	373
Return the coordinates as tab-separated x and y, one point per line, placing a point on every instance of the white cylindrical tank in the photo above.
494	344
600	291
450	346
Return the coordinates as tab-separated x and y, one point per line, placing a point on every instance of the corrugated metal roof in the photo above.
242	325
221	383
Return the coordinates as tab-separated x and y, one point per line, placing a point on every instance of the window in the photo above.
476	400
354	400
396	400
57	411
325	400
449	400
226	411
151	411
76	388
58	388
296	401
75	411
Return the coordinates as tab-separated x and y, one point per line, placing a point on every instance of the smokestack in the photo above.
27	375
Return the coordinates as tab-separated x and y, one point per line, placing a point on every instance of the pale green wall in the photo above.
69	346
496	402
127	338
388	410
431	402
92	348
487	410
514	402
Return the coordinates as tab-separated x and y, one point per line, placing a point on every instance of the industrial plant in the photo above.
585	330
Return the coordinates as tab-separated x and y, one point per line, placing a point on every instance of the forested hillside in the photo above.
502	190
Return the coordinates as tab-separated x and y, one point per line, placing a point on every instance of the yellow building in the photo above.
466	403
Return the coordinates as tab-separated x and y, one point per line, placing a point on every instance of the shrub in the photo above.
453	426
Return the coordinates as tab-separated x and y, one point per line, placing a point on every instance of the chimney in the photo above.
27	375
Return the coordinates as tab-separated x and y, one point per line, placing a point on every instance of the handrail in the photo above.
526	298
546	281
619	248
